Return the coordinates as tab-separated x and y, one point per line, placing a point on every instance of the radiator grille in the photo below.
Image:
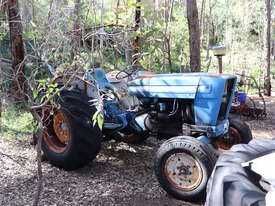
228	92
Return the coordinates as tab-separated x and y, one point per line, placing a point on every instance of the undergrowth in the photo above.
15	124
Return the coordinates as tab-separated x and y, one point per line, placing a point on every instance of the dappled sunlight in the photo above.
263	134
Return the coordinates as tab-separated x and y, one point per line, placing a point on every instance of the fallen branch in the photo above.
16	161
8	61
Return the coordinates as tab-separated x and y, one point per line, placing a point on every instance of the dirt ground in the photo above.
263	128
120	175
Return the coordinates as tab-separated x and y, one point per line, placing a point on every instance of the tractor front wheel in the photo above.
238	133
183	166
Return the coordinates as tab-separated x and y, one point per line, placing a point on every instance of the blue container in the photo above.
241	97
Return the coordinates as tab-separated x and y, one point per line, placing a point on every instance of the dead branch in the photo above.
98	27
17	161
39	167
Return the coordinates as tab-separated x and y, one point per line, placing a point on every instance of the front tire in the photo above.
183	166
70	141
239	133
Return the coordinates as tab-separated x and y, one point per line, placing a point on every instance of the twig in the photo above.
16	161
54	94
98	27
8	61
39	167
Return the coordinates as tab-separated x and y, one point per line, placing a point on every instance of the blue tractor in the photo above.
190	111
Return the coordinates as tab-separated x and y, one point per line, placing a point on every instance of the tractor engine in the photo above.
166	117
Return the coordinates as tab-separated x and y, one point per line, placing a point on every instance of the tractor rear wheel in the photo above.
239	133
70	141
183	166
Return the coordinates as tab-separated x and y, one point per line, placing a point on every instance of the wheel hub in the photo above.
60	126
183	171
226	142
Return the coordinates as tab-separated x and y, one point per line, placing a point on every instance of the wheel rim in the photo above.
58	139
61	129
183	171
234	138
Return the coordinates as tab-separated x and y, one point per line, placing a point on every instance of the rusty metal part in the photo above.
247	111
57	79
183	171
60	125
225	143
58	136
244	109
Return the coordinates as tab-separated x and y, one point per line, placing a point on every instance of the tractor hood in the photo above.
181	85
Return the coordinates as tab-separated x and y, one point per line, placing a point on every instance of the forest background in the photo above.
105	30
151	35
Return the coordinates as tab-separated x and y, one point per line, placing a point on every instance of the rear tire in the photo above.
70	141
232	184
183	166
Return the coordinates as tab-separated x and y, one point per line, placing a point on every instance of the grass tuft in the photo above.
15	124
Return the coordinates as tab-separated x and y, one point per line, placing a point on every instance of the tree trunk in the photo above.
202	20
267	82
101	40
102	24
273	40
17	46
117	14
170	17
76	28
1	113
194	35
27	11
208	30
137	37
2	11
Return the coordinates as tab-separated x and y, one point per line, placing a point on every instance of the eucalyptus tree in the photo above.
194	35
267	81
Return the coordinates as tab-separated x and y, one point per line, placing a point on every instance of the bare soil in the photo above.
263	128
121	174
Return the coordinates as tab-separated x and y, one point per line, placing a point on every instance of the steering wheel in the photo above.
126	71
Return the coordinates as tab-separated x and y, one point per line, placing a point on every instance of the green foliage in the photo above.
98	115
99	119
5	47
158	42
45	90
15	123
164	42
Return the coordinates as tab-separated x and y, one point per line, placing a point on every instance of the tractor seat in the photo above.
102	81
